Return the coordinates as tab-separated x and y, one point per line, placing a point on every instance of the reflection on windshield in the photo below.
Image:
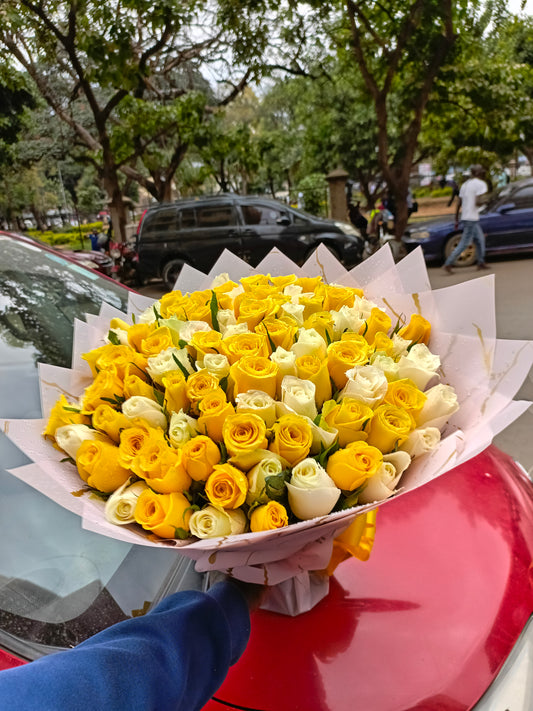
40	297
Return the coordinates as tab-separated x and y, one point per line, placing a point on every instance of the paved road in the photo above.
514	320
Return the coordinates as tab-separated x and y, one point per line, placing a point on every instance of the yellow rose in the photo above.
389	427
63	413
205	342
134	439
172	303
418	330
198	306
163	514
309	284
352	466
97	464
158	340
338	296
280	282
268	517
214	409
175	385
161	467
249	282
110	421
199	456
292	438
348	417
198	385
136	386
312	303
245	344
251	310
344	355
106	386
138	332
115	358
244	433
377	322
254	373
281	331
383	344
226	486
314	369
405	394
322	322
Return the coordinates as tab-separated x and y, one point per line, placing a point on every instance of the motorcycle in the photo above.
125	261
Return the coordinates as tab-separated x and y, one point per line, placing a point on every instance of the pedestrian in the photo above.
173	658
469	203
357	218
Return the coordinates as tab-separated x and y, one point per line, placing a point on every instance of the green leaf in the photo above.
275	485
180	365
159	396
156	313
181	533
223	452
272	344
113	338
72	409
223	382
214	311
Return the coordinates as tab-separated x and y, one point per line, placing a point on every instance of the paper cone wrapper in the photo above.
485	372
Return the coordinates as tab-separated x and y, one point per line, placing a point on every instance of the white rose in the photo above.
386	364
220	279
382	484
296	311
216	364
309	342
148	315
181	428
367	384
285	360
294	291
420	365
165	360
120	506
214	522
121	334
188	328
259	403
148	410
236	329
440	405
299	395
225	318
399	345
312	492
70	437
268	466
421	441
345	319
363	307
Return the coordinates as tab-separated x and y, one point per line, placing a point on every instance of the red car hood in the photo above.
426	623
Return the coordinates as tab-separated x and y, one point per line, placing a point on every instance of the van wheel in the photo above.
467	256
171	272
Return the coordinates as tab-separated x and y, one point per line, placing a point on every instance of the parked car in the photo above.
197	231
93	259
506	220
438	619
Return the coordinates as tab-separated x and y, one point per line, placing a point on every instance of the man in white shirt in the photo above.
469	202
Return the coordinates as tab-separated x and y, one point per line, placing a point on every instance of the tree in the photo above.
129	76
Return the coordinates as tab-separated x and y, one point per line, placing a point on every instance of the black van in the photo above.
196	232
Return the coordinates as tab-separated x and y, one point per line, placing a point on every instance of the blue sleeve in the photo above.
172	659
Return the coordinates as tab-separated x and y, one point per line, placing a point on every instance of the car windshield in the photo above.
59	583
499	197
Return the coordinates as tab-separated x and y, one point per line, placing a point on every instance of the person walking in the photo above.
469	203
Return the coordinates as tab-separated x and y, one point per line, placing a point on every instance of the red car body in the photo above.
426	623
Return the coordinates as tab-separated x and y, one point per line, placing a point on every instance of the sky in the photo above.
514	6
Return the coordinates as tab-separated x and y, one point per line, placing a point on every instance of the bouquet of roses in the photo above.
249	420
252	405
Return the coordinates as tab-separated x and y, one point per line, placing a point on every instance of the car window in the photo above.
523	198
162	221
261	214
187	218
215	216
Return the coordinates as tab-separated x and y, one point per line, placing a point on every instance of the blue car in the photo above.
507	221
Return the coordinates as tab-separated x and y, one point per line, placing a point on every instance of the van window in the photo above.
215	216
162	221
261	214
188	218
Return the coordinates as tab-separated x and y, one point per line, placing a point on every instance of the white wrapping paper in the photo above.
485	372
